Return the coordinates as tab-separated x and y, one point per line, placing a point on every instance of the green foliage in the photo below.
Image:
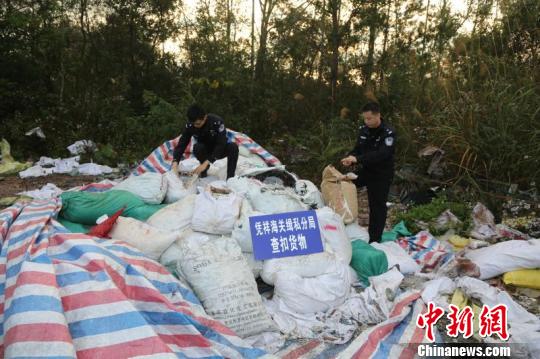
427	213
99	70
106	155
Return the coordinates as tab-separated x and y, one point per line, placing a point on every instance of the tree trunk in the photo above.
385	41
267	6
335	6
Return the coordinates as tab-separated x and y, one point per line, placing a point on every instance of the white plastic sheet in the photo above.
81	146
93	169
50	190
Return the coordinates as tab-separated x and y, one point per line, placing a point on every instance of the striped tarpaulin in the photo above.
426	250
67	295
397	337
160	159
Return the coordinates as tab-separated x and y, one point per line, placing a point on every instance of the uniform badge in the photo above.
222	128
389	141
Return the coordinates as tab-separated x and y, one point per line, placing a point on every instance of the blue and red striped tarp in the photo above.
397	337
426	250
160	159
68	295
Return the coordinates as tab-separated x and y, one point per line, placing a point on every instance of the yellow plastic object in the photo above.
460	300
528	278
459	242
8	165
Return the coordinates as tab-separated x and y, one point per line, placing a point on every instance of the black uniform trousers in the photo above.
378	188
202	153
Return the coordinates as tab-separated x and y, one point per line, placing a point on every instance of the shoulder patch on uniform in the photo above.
389	141
188	125
221	128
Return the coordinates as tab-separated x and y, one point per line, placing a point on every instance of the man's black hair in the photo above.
371	106
195	112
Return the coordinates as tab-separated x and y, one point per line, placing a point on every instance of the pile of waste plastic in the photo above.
353	299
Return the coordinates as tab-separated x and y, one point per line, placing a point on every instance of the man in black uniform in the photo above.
211	135
374	152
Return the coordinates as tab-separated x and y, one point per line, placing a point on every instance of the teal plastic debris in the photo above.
399	230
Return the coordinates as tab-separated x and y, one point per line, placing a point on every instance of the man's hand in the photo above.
200	168
349	161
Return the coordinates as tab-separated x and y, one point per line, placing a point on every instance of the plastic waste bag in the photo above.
399	230
528	278
484	223
8	165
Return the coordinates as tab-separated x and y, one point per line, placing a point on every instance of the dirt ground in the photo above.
11	185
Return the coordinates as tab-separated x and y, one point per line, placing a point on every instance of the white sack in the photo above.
269	200
218	169
176	189
241	232
176	216
309	193
149	240
216	213
314	294
312	265
334	234
398	256
255	265
355	231
188	165
151	187
224	283
506	257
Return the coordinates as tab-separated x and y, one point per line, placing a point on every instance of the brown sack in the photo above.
339	193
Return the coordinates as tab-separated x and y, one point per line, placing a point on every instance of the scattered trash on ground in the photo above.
175	253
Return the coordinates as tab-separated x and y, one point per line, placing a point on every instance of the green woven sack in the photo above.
367	261
86	208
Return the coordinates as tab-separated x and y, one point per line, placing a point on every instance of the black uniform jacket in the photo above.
213	135
374	151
